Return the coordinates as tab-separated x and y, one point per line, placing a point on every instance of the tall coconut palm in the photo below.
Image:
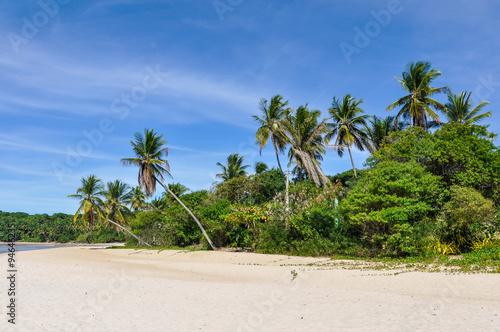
348	127
234	167
304	134
380	128
137	198
260	167
416	105
273	113
149	157
90	202
459	109
117	196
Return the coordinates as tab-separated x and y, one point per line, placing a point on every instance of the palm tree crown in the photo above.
381	128
149	154
416	105
138	198
305	135
117	195
270	125
348	126
90	202
177	188
260	167
234	167
459	109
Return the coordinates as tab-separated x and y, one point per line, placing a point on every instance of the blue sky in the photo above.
79	78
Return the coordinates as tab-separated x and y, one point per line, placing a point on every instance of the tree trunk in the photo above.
276	150
191	213
126	230
352	162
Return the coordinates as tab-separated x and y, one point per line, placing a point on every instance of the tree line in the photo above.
431	183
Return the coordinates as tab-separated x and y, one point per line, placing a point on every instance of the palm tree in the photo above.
270	125
137	198
381	128
149	154
459	109
159	203
90	202
416	105
304	134
260	167
349	126
117	196
177	188
234	167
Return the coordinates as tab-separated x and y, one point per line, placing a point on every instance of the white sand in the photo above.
88	289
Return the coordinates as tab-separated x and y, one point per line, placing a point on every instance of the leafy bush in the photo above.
307	225
466	217
251	190
389	209
458	153
244	223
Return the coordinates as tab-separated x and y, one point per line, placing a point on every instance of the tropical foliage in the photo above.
348	127
417	105
421	193
273	113
149	153
91	203
305	135
459	109
234	167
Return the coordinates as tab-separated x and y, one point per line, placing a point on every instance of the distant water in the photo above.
23	247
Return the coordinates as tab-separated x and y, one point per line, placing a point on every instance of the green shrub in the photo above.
466	217
460	154
389	209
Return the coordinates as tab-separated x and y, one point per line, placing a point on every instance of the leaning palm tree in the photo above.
118	196
149	157
273	113
416	105
90	202
380	128
137	198
348	127
234	167
304	134
260	167
459	109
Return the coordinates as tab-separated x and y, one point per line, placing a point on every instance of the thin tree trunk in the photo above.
126	230
276	150
352	162
191	213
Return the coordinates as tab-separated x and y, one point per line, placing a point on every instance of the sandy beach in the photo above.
95	289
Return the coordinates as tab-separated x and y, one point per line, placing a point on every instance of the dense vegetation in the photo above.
430	186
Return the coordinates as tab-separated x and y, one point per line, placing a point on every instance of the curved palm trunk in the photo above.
352	162
191	213
118	226
276	150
